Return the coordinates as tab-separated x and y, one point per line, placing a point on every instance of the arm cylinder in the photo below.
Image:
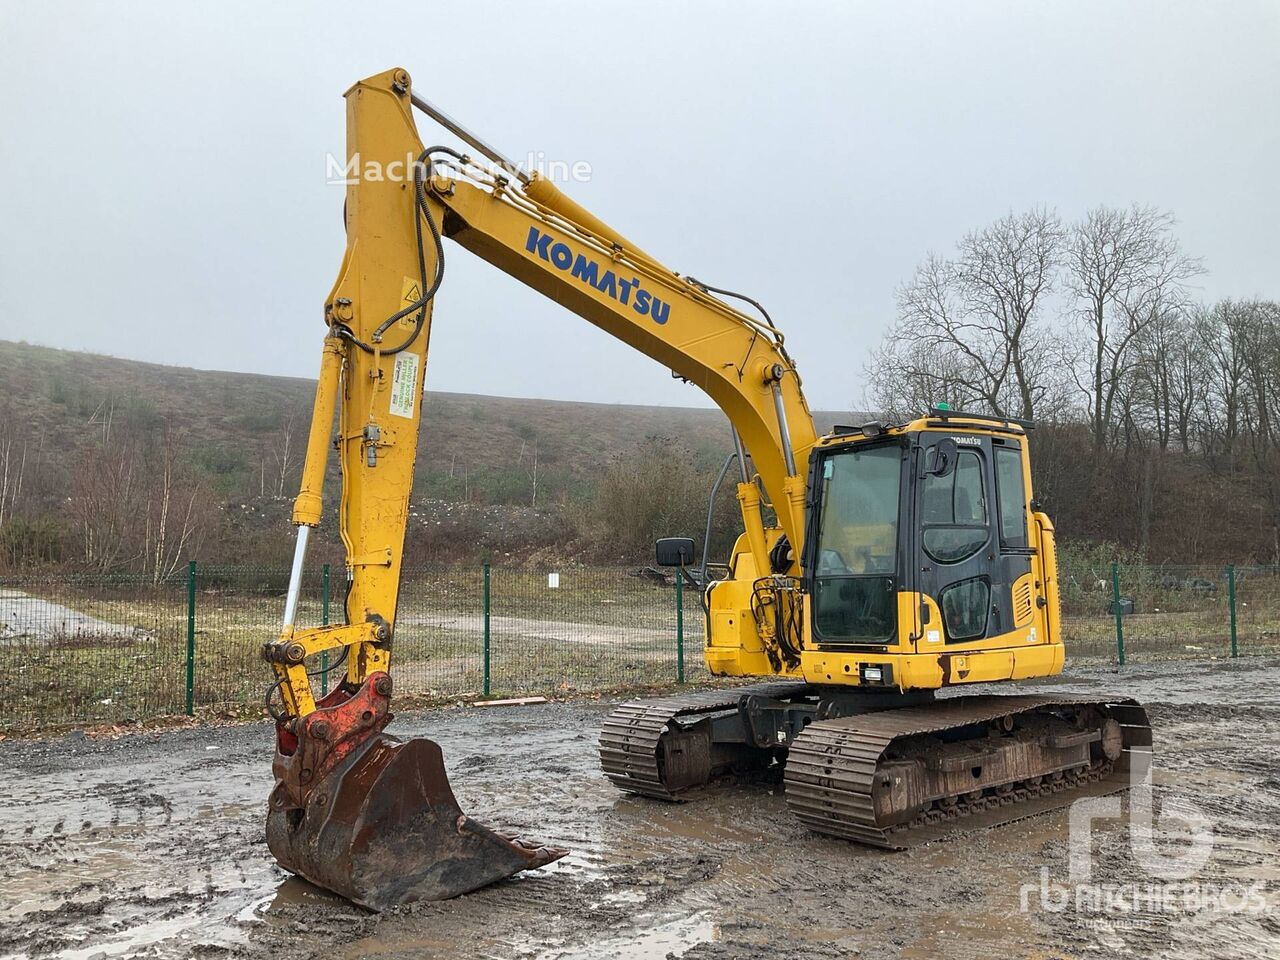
307	506
295	577
543	191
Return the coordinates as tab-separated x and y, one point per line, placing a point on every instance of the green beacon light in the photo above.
942	406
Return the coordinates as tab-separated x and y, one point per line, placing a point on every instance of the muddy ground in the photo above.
152	845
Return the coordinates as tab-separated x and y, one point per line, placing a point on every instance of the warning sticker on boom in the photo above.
410	293
404	385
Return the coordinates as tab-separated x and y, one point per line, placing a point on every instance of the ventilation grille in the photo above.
1023	603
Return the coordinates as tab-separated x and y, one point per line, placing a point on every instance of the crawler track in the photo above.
895	778
641	750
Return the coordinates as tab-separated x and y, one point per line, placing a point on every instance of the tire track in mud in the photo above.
153	846
129	846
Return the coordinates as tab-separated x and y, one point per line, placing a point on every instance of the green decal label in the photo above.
404	385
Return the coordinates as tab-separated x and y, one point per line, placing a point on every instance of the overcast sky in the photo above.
163	164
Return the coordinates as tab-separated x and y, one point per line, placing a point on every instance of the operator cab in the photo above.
938	507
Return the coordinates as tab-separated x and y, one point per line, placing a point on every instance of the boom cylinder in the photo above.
741	454
753	524
784	428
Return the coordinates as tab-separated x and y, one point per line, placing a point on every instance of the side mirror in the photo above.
943	458
675	551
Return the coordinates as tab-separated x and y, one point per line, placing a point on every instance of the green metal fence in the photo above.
1132	612
83	649
77	649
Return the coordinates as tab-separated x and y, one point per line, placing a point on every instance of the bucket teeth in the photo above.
382	827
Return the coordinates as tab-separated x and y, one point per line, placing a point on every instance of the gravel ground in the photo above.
152	845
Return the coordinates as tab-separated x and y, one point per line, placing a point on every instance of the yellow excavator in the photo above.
879	567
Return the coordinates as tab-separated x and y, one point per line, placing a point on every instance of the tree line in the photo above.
1158	415
1158	423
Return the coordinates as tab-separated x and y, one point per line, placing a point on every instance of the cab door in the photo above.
963	563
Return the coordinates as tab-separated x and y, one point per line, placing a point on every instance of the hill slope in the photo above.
240	421
242	435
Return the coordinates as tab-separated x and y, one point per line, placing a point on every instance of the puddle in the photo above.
292	893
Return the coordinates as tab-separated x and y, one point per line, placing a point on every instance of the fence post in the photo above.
680	625
486	628
191	638
1115	600
1231	600
324	622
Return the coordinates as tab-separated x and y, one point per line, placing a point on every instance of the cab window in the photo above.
1011	492
954	511
964	609
856	553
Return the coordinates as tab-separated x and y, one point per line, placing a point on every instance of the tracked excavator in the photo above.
880	570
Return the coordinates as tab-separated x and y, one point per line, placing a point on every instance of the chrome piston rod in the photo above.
740	453
295	575
780	409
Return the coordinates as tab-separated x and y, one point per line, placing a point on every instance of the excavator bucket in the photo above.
375	819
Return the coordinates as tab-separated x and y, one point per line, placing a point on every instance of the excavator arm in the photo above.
353	809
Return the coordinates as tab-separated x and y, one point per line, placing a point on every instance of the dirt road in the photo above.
152	845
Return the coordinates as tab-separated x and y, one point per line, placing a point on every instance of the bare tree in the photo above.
972	326
1127	270
103	416
533	476
1186	379
1258	325
906	378
282	450
13	465
175	514
1222	336
106	504
1165	379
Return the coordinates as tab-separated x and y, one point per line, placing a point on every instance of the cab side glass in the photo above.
964	609
954	511
1012	495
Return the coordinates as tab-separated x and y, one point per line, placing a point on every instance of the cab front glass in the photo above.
854	562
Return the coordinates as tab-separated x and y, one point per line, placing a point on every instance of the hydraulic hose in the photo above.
707	288
423	211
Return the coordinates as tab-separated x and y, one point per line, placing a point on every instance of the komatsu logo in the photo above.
626	290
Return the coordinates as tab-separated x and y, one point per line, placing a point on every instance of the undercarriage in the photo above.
884	769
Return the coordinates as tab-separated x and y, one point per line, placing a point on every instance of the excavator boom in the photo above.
876	565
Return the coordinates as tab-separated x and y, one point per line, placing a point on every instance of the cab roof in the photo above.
937	418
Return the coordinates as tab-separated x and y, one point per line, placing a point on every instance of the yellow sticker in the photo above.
410	293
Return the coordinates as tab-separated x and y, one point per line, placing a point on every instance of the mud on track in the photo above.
152	845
